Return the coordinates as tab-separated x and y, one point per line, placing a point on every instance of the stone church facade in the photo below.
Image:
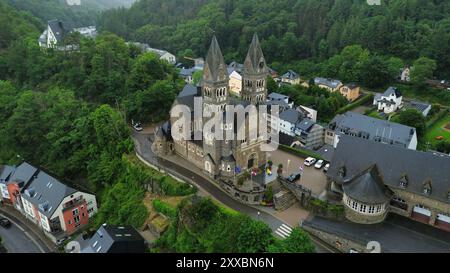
222	160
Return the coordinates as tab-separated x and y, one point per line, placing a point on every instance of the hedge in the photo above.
300	152
436	118
164	208
355	104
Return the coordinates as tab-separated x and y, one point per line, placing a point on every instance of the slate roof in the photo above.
116	239
5	173
332	83
215	69
374	129
255	62
188	90
291	75
291	115
393	163
23	173
368	187
46	193
57	28
235	66
392	90
352	85
277	96
186	72
305	125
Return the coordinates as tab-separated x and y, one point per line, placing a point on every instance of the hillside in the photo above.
291	30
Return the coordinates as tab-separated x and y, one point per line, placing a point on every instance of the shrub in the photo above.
171	187
164	208
300	152
355	104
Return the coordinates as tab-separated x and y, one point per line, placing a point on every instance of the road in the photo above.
19	238
143	147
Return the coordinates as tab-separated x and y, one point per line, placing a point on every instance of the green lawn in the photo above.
438	130
375	114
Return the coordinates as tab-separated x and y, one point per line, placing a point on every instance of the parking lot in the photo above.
313	179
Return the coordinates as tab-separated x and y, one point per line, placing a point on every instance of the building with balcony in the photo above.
52	205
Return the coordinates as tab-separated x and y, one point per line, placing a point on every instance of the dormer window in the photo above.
404	181
427	187
342	171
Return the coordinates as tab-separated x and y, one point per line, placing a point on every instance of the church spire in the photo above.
255	62
215	69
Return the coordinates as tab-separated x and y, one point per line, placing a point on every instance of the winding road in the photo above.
19	238
143	148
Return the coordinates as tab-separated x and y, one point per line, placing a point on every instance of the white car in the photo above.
319	164
310	161
327	166
138	127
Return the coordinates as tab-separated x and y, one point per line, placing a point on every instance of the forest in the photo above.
64	111
72	16
305	35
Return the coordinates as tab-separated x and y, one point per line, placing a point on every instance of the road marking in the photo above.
26	233
283	231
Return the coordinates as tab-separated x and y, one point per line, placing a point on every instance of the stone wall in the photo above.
363	218
338	242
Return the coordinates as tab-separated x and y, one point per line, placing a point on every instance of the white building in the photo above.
390	101
164	55
55	33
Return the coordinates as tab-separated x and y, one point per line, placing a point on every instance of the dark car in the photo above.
294	177
5	222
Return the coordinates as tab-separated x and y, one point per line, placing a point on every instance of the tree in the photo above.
145	71
413	118
253	236
375	72
422	70
197	76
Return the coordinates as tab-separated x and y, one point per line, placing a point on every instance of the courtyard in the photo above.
313	179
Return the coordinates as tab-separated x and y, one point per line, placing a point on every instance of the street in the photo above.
17	239
143	147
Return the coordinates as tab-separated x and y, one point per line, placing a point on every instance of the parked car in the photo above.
5	222
327	166
293	177
310	161
138	126
319	164
61	240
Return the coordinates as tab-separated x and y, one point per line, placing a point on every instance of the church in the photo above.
224	160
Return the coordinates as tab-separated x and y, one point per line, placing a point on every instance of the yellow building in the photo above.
235	83
350	91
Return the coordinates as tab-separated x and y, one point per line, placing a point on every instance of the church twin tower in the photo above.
215	76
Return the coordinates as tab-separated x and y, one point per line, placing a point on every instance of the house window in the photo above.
354	205
75	212
378	208
76	219
371	209
362	208
427	191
